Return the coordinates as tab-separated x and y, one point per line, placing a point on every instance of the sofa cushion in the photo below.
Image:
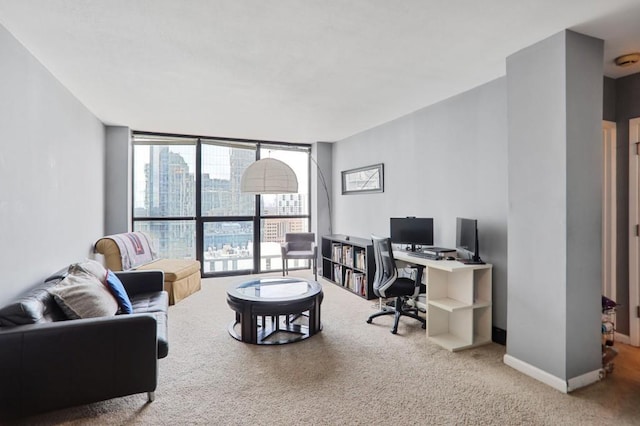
174	269
35	306
90	267
155	304
107	278
81	295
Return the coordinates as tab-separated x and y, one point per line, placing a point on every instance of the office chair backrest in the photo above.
386	272
300	240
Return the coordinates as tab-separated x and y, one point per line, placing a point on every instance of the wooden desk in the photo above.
458	301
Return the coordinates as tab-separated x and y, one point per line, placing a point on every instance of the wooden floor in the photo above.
627	362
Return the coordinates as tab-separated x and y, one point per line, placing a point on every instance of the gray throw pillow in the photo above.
82	295
92	267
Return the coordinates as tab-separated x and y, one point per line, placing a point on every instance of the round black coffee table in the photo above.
274	311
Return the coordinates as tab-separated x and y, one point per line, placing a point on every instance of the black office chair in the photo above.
386	283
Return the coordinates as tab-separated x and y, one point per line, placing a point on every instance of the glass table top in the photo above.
275	288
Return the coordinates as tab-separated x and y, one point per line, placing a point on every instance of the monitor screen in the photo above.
466	234
414	231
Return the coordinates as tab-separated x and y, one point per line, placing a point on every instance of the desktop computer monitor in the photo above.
412	231
467	239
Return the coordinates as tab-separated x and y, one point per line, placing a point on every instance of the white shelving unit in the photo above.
459	305
459	300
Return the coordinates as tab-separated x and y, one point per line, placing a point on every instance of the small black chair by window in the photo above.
299	245
387	283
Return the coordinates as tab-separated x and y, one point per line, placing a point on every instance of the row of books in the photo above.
355	281
345	255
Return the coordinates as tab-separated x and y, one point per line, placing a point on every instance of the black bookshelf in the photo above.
348	262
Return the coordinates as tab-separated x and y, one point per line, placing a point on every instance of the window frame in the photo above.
153	138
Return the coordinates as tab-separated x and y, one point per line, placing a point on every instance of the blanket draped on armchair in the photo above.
135	249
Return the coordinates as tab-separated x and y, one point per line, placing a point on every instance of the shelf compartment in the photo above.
459	306
448	304
457	325
482	324
457	285
453	343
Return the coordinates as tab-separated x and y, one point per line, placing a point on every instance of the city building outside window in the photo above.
194	209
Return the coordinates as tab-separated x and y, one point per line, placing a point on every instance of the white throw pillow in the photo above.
82	295
91	267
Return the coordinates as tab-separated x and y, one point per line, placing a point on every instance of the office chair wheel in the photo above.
369	321
394	331
424	326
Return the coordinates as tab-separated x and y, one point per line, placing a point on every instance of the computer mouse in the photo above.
451	258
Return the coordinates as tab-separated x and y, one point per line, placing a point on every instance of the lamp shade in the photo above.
269	176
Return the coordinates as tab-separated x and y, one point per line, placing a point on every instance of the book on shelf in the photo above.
337	274
347	255
348	279
360	259
358	283
336	252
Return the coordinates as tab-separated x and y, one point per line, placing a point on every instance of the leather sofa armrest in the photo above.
64	363
139	282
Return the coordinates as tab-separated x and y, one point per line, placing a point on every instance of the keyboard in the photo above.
424	255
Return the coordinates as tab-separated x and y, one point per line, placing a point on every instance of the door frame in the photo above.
634	239
609	210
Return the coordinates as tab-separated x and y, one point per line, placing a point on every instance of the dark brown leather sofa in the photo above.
48	362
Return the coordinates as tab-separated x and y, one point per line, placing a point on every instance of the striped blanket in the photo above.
135	249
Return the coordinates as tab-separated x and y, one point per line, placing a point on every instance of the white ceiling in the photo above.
292	70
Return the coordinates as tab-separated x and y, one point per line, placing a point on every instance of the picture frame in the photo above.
368	179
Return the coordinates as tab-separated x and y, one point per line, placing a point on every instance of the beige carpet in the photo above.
351	373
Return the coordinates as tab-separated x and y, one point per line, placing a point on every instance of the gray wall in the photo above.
118	180
584	202
555	97
609	101
51	172
443	161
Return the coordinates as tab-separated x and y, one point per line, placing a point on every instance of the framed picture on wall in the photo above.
363	179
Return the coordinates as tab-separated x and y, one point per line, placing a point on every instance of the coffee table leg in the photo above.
314	318
248	325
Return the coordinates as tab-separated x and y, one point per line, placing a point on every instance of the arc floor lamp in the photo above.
271	176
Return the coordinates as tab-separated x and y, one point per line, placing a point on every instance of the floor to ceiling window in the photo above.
186	196
284	213
227	214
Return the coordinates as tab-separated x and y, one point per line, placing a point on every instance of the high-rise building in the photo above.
170	192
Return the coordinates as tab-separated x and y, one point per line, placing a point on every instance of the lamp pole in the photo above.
326	191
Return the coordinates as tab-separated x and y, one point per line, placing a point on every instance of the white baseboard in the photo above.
551	380
622	338
538	374
583	380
